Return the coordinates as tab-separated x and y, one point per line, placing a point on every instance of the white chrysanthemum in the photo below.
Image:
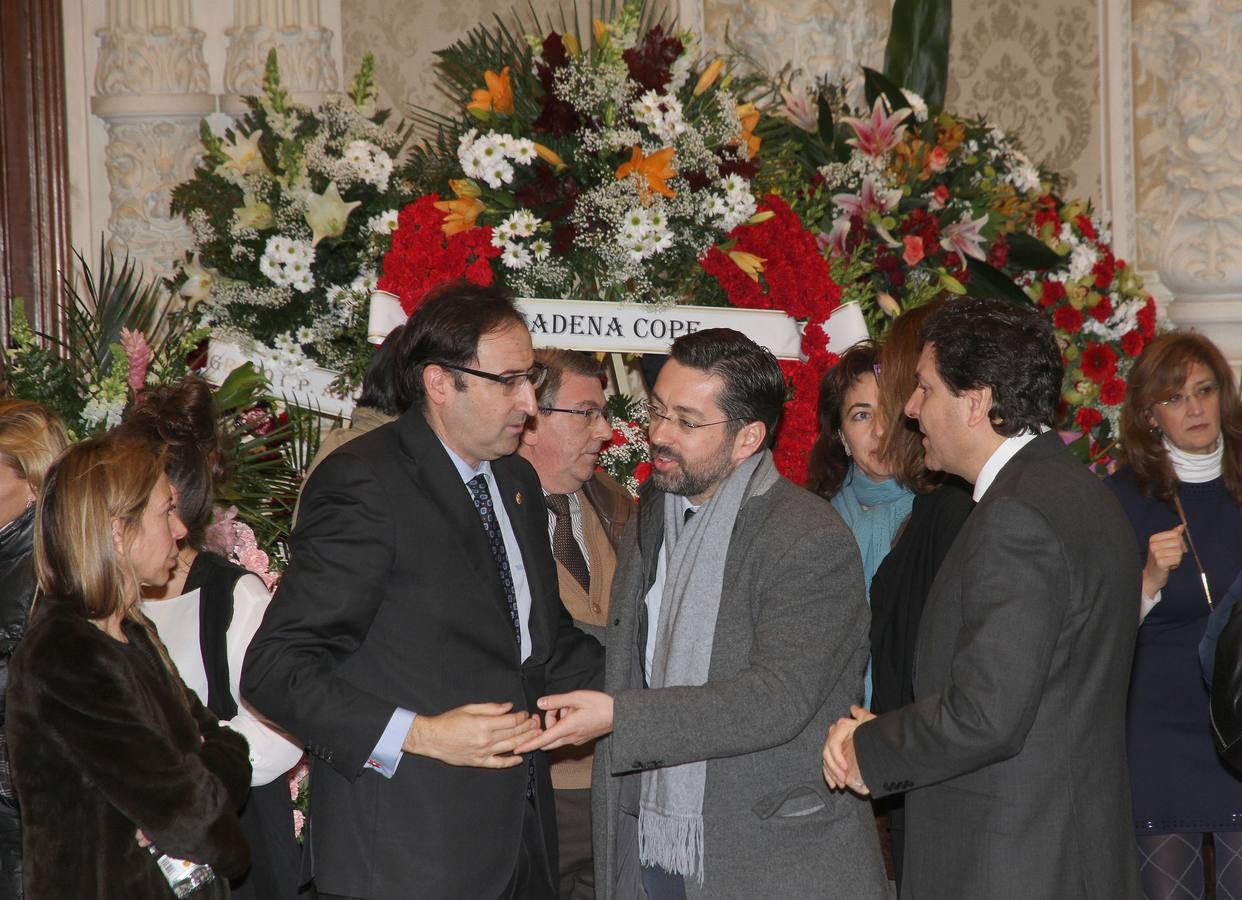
365	282
488	149
526	222
1082	260
523	151
918	105
540	249
507	231
287	262
515	256
504	141
383	223
497	173
471	163
466	141
305	335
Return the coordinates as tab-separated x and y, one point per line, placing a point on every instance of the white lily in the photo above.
243	154
327	213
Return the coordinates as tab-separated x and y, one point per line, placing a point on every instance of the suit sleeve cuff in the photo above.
387	753
1147	604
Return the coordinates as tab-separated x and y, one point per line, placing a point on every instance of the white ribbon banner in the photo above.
306	386
596	326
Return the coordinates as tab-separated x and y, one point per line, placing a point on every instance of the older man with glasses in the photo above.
587	510
418	622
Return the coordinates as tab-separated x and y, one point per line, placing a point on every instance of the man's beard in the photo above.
688	482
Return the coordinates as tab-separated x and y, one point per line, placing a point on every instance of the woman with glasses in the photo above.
1181	434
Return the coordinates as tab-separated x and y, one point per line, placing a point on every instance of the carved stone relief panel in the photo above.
167	61
146	159
823	38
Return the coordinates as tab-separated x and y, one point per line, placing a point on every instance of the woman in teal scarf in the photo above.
846	467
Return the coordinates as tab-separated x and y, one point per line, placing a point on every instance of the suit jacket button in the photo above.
616	622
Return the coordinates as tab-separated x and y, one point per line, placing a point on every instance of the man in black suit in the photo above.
419	621
1013	751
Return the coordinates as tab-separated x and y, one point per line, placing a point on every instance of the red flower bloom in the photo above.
1102	310
422	257
1099	362
1053	293
998	255
914	250
1132	342
642	472
1085	227
1113	392
617	438
1067	319
1147	319
1087	418
1104	269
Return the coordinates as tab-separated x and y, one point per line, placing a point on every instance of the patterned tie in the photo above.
564	546
482	498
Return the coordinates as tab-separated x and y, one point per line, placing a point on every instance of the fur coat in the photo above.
101	744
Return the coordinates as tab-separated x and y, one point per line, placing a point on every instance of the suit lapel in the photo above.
441	483
520	505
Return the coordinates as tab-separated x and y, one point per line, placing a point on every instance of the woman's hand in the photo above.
1164	554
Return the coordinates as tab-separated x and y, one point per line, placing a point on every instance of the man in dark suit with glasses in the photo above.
418	622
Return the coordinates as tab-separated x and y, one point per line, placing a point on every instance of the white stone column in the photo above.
151	89
1200	257
304	49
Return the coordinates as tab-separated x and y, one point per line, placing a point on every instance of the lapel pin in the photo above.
517	498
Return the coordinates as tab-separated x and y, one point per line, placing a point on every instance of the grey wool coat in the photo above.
788	655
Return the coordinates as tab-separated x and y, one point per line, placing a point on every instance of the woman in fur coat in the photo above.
114	761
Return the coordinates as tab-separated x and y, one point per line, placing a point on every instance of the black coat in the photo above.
392	598
102	743
17	587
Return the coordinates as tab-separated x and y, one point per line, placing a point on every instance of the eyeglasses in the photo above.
592	414
536	375
1202	393
683	425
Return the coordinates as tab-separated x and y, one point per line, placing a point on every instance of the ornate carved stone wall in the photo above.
151	88
154	81
1188	124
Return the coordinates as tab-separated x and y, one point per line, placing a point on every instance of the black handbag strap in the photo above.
215	578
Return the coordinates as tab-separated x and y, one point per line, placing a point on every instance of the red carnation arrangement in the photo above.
422	256
775	263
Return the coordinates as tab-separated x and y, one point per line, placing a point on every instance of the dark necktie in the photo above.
564	546
482	498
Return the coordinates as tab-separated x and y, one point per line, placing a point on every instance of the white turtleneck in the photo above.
1190	468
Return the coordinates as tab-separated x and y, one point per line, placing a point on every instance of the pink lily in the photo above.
799	110
835	239
880	133
871	198
965	237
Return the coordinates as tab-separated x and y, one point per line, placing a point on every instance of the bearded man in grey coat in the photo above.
737	632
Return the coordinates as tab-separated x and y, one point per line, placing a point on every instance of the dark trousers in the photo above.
530	880
573	828
662	885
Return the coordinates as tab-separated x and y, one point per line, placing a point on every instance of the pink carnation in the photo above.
299	821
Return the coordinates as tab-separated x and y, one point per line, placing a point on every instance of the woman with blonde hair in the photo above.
127	784
31	437
1181	432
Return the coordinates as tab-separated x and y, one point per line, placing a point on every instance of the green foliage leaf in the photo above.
876	84
1027	252
987	280
917	54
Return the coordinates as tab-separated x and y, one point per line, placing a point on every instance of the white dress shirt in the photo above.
1006	451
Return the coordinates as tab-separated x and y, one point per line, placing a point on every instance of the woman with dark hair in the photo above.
846	466
1181	434
206	614
31	437
127	783
904	577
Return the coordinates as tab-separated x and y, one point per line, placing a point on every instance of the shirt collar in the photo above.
465	471
1000	456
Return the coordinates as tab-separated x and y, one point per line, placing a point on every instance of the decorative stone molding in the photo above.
1200	247
303	47
152	87
146	157
166	61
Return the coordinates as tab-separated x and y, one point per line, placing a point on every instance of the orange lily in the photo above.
462	214
600	30
550	156
496	97
709	76
749	263
571	44
656	168
750	118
